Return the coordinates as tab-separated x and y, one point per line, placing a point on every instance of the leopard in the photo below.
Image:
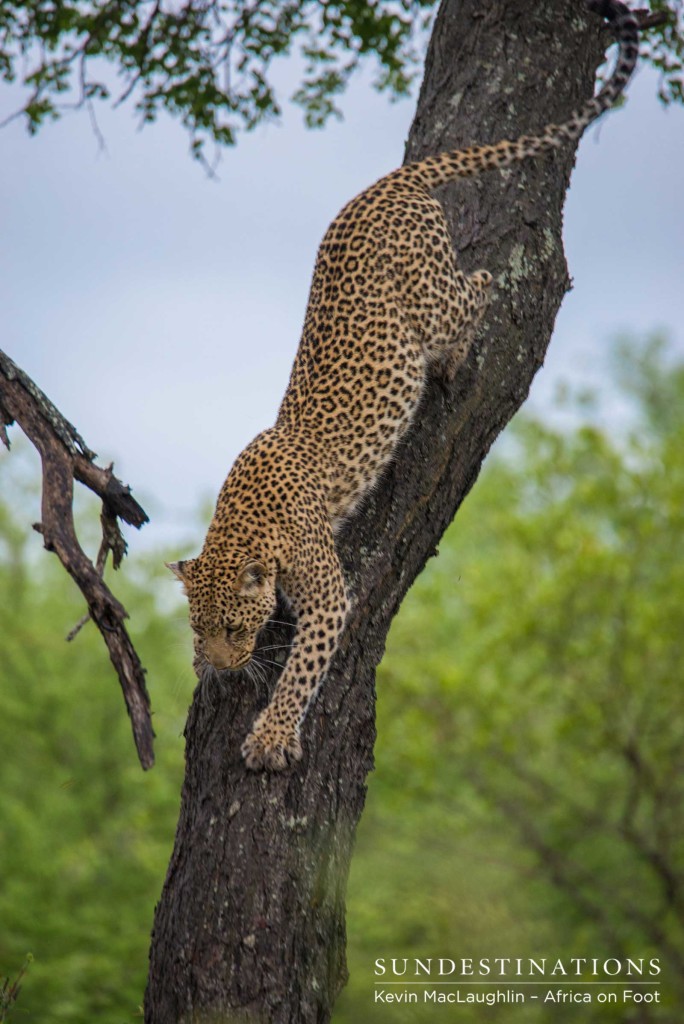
388	306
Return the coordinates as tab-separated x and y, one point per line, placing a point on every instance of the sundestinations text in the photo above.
502	967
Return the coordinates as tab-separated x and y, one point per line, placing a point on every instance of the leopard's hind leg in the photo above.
450	317
471	304
443	304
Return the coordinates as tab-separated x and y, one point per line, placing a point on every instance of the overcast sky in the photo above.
161	310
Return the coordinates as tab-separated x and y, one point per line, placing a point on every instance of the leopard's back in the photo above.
381	272
387	304
387	300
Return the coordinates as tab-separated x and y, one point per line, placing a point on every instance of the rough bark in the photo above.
251	923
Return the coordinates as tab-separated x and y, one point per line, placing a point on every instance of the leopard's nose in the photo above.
218	661
217	654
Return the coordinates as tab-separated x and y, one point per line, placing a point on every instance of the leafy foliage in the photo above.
663	47
85	835
210	64
529	794
213	64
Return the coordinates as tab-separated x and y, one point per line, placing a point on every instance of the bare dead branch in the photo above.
65	457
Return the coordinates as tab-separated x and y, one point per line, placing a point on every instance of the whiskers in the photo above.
260	651
265	661
182	681
209	680
214	683
256	675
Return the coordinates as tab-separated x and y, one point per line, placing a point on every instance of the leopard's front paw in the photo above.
271	745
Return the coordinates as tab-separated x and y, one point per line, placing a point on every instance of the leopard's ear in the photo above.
182	571
251	578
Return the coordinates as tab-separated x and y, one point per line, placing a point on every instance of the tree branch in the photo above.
65	457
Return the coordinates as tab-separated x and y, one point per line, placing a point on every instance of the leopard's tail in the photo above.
465	163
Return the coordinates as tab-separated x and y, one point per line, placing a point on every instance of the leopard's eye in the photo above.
231	629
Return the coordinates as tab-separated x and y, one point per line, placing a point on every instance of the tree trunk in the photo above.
251	922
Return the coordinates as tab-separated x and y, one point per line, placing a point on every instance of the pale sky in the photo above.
161	310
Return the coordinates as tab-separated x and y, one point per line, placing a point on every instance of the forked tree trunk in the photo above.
251	922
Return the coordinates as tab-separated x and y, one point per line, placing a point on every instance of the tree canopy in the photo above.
214	65
211	64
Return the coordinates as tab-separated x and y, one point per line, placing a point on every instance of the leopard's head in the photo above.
227	607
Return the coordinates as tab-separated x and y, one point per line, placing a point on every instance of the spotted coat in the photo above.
388	305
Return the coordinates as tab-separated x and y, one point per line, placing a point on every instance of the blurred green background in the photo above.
528	798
